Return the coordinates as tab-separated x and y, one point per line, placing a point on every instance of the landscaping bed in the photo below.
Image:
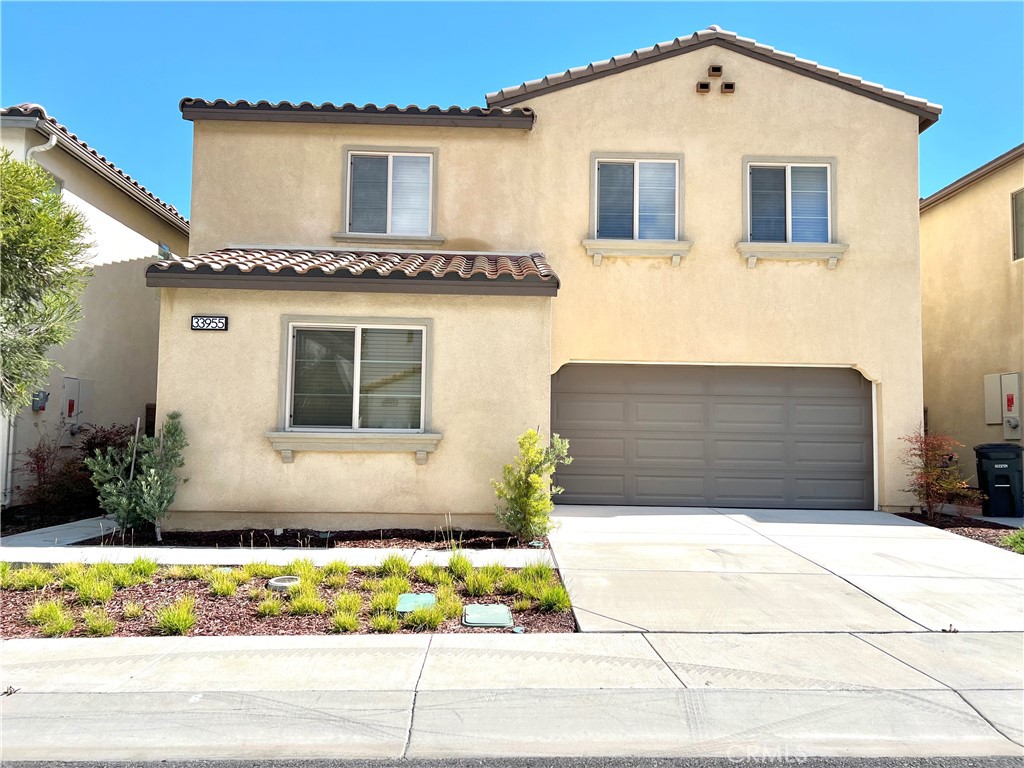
397	538
30	518
977	528
142	599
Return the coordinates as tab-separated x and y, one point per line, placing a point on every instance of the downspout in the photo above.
12	421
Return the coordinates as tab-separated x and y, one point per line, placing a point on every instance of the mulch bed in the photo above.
28	518
977	528
236	615
402	538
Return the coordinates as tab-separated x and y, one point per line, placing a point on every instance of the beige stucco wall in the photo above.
489	371
115	342
973	306
279	183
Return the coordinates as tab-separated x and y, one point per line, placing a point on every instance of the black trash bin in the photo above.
1001	479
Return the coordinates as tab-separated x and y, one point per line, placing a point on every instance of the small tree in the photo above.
143	489
935	477
525	486
42	247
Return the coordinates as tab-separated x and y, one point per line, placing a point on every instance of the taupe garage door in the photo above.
715	436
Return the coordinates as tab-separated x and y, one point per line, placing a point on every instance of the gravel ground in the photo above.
237	615
977	528
402	538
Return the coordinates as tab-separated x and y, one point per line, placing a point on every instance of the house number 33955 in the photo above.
209	323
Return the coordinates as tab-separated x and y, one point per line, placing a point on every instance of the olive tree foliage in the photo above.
42	274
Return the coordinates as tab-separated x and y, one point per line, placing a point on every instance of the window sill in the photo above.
828	252
420	443
346	237
656	249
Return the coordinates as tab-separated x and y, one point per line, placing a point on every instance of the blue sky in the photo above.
114	72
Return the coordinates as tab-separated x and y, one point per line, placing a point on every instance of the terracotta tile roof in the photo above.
927	111
82	151
524	269
482	117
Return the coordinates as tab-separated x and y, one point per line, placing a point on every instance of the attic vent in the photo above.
728	87
715	70
703	87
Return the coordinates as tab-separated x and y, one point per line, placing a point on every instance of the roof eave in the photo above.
972	178
521	122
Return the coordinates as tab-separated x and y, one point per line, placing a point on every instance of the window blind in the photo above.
809	197
657	215
391	377
768	205
368	207
615	201
410	195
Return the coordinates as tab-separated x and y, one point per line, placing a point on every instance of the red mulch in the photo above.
236	615
403	538
977	528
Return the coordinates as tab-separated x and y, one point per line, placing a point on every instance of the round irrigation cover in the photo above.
283	583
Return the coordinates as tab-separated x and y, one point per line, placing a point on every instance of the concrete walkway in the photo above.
733	570
61	535
532	695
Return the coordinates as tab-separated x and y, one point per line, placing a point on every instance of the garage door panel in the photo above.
708	435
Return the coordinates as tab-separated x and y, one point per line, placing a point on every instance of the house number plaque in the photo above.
209	322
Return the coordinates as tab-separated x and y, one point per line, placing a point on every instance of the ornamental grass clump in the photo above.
304	601
525	489
448	601
424	618
459	565
91	589
479	583
30	577
394	565
522	604
51	616
348	602
344	622
555	599
98	622
1014	541
384	602
133	610
305	570
397	584
262	570
384	623
269	606
221	584
538	570
177	618
433	574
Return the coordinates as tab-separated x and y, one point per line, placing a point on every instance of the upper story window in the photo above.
353	377
390	193
789	203
1018	224
637	199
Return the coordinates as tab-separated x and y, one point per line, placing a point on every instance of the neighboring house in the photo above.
108	370
735	319
972	284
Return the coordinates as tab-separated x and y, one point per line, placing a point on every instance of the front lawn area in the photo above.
142	598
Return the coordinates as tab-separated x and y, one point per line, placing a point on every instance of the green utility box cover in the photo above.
409	601
487	616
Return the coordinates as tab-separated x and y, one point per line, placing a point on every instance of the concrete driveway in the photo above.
660	569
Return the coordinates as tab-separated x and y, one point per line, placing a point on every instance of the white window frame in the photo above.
357	328
789	199
390	155
636	162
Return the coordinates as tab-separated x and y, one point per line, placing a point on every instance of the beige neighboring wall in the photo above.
115	342
973	305
488	386
280	183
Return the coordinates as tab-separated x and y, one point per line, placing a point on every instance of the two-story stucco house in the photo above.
698	262
972	283
108	370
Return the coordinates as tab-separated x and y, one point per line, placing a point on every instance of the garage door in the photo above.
715	436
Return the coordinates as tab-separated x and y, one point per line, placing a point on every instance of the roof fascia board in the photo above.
521	122
159	278
47	129
927	118
972	178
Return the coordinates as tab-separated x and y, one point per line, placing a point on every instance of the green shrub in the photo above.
98	623
337	568
424	618
459	565
555	599
348	602
448	601
133	610
1014	541
522	604
304	602
385	623
177	618
30	577
221	584
344	622
270	606
433	574
479	584
384	602
394	565
525	489
538	570
143	491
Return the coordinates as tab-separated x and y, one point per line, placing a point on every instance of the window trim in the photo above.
675	249
749	165
1016	248
345	232
287	440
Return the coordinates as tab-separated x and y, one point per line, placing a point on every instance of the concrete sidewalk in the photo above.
478	695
